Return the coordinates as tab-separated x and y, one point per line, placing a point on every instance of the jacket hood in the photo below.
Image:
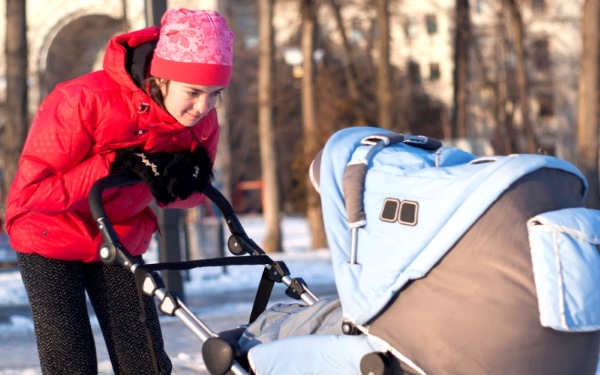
118	49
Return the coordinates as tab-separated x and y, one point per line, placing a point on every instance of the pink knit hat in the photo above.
195	47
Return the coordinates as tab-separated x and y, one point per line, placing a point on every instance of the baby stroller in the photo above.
450	264
444	264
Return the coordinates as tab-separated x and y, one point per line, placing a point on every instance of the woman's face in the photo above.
189	103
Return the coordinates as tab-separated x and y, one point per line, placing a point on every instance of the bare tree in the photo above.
587	124
314	212
384	71
349	66
15	131
518	31
496	72
223	160
268	153
462	35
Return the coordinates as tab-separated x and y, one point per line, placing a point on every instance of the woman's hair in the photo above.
155	90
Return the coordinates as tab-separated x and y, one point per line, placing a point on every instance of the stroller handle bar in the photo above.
239	243
112	251
95	197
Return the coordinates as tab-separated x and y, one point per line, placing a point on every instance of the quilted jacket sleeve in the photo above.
57	168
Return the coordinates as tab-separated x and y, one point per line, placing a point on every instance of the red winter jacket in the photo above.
71	145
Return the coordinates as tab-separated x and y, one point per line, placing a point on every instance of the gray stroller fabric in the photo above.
288	320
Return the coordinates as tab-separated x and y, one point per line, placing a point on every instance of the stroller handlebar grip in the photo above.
95	197
219	200
212	193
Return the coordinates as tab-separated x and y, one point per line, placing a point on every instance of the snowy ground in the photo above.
221	298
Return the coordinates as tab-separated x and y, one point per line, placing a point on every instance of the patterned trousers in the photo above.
56	291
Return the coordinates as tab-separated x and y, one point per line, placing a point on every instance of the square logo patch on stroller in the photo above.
405	212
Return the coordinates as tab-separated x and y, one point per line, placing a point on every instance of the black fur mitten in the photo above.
189	172
149	167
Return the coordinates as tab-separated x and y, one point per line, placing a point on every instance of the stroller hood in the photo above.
415	204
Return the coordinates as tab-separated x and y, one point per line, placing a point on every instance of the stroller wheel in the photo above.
350	329
218	354
376	363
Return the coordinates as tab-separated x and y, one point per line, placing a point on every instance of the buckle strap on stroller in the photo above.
263	293
353	184
275	274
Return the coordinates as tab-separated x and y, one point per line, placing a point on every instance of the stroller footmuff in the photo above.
450	264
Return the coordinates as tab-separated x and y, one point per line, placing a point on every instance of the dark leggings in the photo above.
56	291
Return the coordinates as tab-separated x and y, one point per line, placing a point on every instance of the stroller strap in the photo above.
212	262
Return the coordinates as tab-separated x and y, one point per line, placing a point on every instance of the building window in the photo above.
356	31
541	54
431	24
434	72
409	28
546	105
538	6
414	72
248	26
478	7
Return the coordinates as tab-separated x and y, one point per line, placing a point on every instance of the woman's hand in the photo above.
169	176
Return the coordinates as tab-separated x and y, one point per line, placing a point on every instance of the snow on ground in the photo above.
222	298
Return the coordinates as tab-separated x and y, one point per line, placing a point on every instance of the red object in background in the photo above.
245	195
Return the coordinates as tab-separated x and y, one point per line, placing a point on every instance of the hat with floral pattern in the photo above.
195	47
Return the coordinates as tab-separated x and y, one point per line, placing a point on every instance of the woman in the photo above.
149	113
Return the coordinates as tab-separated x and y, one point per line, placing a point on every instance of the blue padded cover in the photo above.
314	354
565	251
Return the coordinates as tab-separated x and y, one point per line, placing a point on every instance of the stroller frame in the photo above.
219	349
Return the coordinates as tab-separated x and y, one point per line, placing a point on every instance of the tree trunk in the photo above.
384	74
462	38
521	76
314	212
587	123
15	131
268	153
349	67
223	159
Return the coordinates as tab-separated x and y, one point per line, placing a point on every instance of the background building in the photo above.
66	38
